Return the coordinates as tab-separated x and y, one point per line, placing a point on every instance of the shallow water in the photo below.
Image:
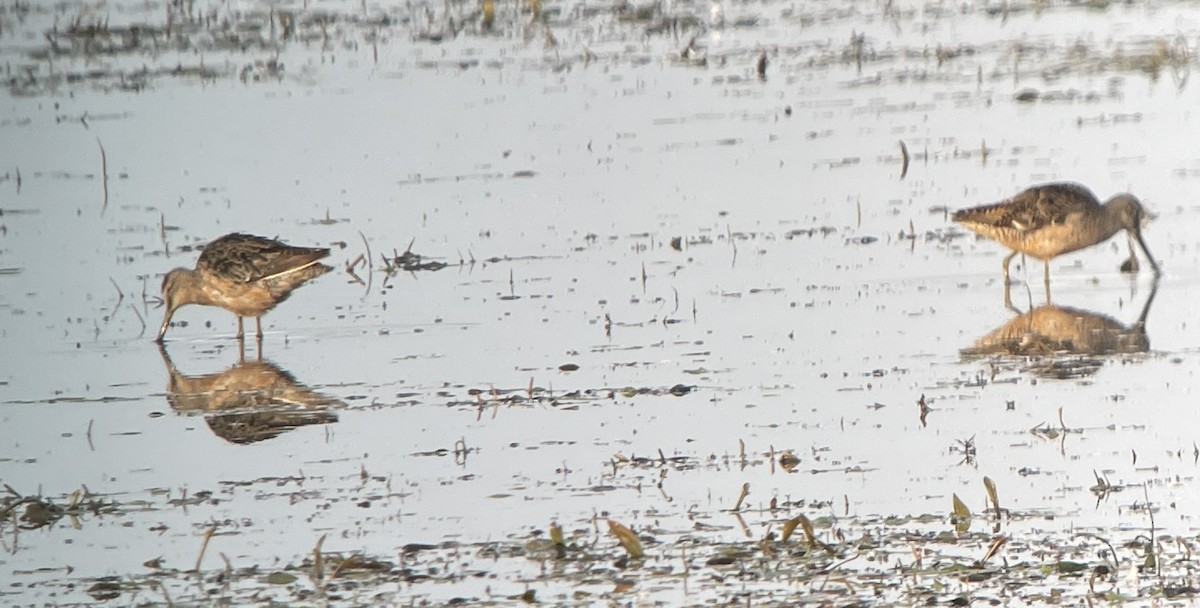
816	294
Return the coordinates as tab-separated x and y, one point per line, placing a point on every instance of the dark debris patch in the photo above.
410	262
532	395
847	561
34	512
753	553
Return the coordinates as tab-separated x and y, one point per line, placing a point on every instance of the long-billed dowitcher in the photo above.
1049	220
245	274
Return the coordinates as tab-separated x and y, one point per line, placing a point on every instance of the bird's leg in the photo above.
1006	261
240	335
1046	278
258	326
1008	298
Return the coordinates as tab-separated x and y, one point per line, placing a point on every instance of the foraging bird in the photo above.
245	274
1049	220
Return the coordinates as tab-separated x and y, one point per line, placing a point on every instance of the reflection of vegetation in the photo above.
410	262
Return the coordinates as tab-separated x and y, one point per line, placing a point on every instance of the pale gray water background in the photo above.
565	181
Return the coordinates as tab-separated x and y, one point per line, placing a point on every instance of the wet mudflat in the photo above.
595	263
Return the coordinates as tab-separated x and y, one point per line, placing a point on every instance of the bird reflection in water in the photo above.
251	401
1065	342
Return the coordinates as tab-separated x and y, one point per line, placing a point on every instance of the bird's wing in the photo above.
1032	209
245	258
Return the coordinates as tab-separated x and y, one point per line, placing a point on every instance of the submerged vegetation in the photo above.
790	552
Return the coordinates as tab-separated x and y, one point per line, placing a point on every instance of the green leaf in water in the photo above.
960	509
280	578
1066	567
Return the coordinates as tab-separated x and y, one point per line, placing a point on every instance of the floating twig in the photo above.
120	295
103	174
370	265
162	233
344	563
829	571
1153	533
993	549
351	265
166	596
318	562
204	546
140	319
729	235
741	497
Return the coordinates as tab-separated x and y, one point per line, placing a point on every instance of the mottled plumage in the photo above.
1049	220
245	274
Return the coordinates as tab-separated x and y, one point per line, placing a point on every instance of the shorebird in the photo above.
245	274
1049	220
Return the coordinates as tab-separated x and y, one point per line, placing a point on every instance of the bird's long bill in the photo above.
162	331
1149	258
